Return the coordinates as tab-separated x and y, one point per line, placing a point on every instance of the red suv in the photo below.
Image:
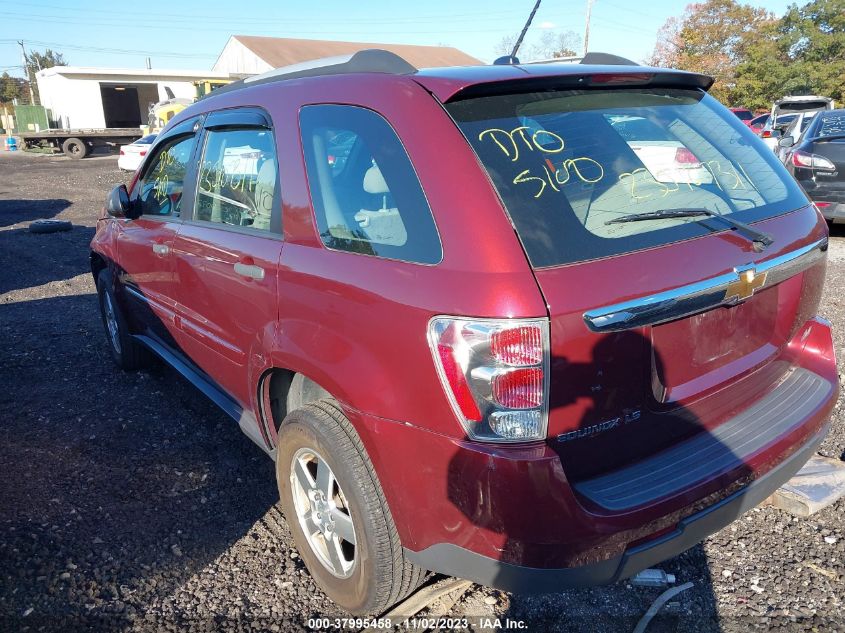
537	326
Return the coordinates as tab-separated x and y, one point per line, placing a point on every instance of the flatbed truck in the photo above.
80	142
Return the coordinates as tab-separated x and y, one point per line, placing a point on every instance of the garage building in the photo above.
81	97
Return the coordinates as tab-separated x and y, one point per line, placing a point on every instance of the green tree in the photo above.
12	88
802	53
36	61
713	38
812	40
755	58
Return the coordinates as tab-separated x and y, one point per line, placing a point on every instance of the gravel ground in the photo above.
129	502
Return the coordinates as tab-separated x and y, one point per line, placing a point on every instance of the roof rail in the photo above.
371	60
606	59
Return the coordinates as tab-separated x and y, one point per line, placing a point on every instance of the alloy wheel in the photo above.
111	322
323	512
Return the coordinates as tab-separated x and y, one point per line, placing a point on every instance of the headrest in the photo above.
374	181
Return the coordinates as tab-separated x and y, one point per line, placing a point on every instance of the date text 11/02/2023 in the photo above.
419	623
641	182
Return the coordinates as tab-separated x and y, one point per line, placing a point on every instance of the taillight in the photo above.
143	152
122	153
766	134
801	158
621	78
495	374
685	157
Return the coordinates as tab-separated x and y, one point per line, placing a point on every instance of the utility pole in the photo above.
26	69
587	28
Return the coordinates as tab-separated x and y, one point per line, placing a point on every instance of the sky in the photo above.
189	34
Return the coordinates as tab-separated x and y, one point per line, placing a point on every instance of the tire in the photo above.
379	575
50	226
75	148
126	352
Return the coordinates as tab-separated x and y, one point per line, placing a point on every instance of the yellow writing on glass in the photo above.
580	168
642	184
160	188
715	167
510	142
640	179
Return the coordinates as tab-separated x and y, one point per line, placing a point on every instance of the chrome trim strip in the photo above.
699	296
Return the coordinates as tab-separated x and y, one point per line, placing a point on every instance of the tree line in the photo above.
12	88
755	56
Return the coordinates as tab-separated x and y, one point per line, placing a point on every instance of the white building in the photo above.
80	97
250	55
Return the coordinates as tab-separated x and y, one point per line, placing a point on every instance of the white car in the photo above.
132	155
666	159
786	110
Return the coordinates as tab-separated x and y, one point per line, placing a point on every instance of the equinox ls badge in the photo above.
748	283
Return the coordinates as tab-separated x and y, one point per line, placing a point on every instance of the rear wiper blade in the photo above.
759	239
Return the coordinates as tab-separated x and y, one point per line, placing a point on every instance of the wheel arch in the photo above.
98	263
282	390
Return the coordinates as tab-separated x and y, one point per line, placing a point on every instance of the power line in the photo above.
157	26
194	18
117	51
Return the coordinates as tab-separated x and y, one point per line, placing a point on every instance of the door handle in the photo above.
250	271
161	249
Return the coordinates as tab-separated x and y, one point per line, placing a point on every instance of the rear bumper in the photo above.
450	559
834	212
509	517
833	195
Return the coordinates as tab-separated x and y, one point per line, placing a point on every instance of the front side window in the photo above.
571	166
160	189
237	178
367	198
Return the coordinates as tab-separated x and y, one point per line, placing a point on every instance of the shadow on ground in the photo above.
15	211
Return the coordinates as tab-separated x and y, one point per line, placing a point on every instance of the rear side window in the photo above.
160	189
237	178
366	195
569	163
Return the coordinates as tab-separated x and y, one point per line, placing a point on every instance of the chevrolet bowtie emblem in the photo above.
748	283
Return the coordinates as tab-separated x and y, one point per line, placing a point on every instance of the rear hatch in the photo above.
793	105
662	329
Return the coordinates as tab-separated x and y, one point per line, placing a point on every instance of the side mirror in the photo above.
786	141
117	202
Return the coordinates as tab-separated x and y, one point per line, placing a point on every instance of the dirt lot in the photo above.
129	502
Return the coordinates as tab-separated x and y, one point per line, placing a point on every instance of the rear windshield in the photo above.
567	163
832	125
743	115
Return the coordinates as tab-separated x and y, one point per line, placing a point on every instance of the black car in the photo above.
817	160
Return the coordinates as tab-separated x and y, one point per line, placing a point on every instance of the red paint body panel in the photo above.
696	361
517	505
222	314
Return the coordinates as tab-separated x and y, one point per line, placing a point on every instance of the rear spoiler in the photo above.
541	78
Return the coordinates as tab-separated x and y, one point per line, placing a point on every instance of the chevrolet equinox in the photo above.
537	326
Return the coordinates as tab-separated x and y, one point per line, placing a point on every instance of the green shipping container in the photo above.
31	118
